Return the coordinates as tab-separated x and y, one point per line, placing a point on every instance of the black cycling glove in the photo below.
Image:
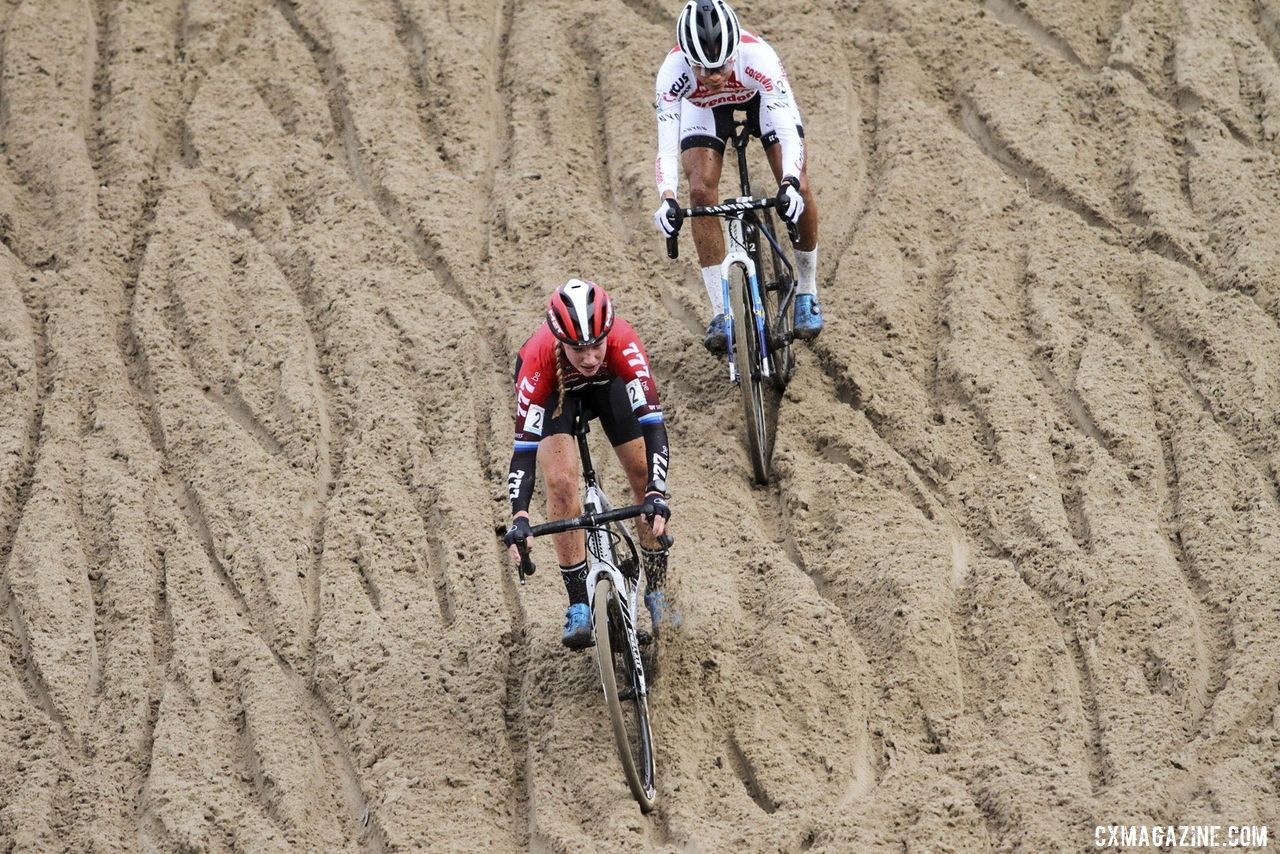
519	532
655	504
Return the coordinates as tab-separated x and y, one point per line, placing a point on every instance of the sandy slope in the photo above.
264	270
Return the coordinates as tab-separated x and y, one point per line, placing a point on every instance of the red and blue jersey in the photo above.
537	389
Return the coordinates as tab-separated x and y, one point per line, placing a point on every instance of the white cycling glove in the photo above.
664	217
790	202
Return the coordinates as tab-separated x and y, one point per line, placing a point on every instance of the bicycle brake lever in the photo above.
673	242
526	563
793	233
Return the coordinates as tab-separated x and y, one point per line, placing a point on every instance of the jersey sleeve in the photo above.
629	362
763	71
673	83
534	385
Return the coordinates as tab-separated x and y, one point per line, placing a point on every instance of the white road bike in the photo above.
758	301
612	591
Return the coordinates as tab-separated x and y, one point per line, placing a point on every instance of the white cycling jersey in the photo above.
685	108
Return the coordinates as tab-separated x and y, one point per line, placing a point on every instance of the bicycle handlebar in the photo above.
724	209
586	520
730	207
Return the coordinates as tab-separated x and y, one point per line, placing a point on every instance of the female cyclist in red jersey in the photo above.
583	355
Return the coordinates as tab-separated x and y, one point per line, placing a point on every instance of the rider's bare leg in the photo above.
809	219
558	462
652	555
631	455
702	169
806	250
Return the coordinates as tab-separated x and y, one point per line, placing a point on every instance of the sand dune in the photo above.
265	267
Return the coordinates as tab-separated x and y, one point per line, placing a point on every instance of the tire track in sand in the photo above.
18	483
429	253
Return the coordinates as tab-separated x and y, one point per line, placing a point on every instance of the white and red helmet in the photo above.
708	33
580	313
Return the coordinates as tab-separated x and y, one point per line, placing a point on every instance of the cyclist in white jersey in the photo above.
715	69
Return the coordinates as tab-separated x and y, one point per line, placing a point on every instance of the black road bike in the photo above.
612	589
759	288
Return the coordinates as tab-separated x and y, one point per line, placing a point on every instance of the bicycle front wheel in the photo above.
622	676
747	357
778	323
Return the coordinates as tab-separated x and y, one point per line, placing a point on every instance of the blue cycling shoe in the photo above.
808	317
662	612
716	340
577	627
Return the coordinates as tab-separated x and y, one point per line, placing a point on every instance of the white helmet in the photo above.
707	32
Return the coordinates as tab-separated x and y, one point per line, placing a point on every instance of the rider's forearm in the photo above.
666	165
666	175
657	453
792	153
520	478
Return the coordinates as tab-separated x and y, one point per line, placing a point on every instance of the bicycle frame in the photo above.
742	230
600	552
613	621
740	140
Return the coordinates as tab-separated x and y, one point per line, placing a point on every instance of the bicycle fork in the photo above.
599	554
754	303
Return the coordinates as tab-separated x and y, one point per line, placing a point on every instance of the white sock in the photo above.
711	281
807	271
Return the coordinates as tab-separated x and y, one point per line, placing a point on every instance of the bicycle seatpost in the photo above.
740	140
580	429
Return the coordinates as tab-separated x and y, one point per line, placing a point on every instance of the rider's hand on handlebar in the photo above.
665	219
656	512
519	532
790	202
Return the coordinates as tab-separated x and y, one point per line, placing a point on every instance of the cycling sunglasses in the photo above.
704	71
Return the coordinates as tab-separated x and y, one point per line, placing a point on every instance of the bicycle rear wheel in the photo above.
621	675
746	355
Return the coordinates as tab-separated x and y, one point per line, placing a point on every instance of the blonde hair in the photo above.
559	378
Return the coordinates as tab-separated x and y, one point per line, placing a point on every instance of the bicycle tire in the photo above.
746	355
775	281
629	715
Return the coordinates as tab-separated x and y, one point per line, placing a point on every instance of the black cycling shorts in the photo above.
724	128
607	401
